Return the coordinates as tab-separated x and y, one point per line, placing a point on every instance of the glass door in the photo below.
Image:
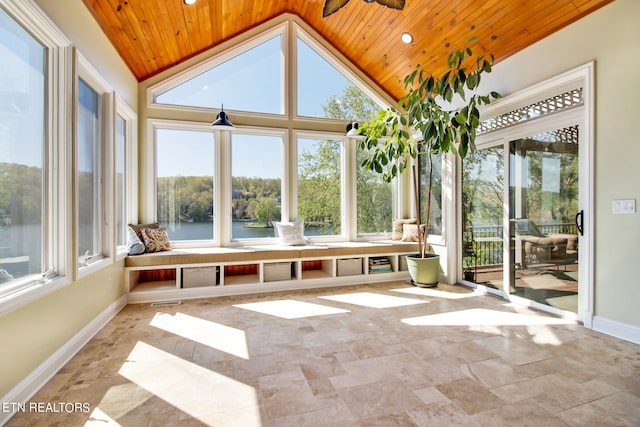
523	233
544	217
483	217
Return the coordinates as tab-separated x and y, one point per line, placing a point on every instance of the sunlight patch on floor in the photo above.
212	334
543	281
203	394
117	402
99	418
483	317
291	309
374	300
430	292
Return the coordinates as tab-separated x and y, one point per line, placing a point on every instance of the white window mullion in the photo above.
349	196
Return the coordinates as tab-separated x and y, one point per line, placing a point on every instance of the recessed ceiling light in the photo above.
406	38
189	1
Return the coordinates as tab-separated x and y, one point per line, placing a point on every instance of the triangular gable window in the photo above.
250	80
324	90
253	77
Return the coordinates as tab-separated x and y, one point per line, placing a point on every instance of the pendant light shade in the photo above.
222	122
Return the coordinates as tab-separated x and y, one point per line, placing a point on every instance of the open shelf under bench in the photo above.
205	272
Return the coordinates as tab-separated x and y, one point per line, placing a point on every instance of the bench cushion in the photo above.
262	253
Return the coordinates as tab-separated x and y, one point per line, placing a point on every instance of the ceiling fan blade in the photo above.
332	6
394	4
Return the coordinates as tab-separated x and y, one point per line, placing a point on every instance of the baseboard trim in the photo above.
617	329
30	385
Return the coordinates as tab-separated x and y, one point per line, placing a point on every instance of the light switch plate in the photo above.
626	206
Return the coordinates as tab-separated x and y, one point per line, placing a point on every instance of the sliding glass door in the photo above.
543	209
521	217
527	197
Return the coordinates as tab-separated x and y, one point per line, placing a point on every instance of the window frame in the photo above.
57	178
332	59
289	124
130	181
105	162
212	62
224	165
345	184
157	124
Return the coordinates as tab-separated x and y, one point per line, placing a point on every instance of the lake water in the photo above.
204	231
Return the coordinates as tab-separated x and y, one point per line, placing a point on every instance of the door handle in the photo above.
579	219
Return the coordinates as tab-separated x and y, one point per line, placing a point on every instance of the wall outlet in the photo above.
627	206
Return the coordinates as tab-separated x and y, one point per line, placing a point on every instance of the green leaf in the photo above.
445	78
430	83
448	94
472	81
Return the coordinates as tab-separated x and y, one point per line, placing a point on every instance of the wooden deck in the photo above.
550	284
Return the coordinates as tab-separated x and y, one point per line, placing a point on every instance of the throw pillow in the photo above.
409	233
155	239
398	225
138	227
291	233
134	244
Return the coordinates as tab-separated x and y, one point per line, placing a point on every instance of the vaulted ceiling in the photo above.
154	35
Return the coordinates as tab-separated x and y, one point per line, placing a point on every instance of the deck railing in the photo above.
484	244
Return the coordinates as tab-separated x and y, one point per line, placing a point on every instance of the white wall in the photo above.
610	37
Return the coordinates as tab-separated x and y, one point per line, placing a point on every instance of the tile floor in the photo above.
372	355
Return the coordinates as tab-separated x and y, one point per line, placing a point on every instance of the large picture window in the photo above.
185	169
23	172
319	185
256	193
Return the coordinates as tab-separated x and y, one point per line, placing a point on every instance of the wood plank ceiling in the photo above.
154	35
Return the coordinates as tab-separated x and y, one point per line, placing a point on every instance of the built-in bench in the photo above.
204	272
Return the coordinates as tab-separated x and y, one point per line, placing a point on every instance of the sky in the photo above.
22	91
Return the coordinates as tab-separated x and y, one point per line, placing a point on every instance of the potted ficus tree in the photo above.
437	115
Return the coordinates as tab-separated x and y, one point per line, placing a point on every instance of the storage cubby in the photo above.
197	277
317	268
381	264
156	279
402	263
278	271
349	266
240	274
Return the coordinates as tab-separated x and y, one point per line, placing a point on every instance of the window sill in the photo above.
93	267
